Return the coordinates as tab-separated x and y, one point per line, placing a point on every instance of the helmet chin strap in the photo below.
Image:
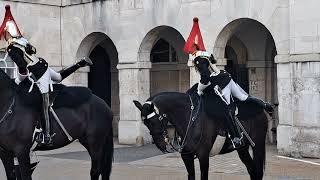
213	68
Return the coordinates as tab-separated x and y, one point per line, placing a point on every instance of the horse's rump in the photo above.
62	96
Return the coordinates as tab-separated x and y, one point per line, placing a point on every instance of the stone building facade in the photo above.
271	48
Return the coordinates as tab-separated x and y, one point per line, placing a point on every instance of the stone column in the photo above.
299	102
134	84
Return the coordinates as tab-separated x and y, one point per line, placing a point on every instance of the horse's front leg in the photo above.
204	166
8	164
24	164
188	160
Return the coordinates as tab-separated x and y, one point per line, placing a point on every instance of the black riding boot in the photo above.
47	139
235	135
69	70
265	105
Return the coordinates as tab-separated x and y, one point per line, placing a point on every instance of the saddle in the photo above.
61	96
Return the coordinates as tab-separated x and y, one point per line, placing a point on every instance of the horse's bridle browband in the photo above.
155	112
9	111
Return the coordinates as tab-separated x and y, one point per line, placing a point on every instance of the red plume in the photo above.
7	17
194	41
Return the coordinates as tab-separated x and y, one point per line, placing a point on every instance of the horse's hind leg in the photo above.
108	157
259	158
245	157
188	160
95	150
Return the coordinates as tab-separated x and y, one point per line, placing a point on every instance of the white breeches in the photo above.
235	90
45	82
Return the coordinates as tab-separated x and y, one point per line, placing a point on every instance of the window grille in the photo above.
7	65
163	52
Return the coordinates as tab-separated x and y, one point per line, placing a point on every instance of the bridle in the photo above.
9	111
156	112
164	131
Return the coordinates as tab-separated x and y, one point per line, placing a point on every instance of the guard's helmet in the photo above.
203	54
9	26
12	29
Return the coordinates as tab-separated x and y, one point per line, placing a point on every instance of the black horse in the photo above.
89	121
192	118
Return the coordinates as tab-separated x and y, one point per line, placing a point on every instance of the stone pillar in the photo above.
134	84
299	102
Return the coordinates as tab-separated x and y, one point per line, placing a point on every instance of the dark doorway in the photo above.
100	74
239	72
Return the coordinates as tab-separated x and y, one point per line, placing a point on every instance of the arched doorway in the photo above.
99	78
103	75
169	71
248	48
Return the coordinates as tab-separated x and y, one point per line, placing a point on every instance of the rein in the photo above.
191	121
192	118
9	111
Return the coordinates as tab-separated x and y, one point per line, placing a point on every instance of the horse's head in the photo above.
155	122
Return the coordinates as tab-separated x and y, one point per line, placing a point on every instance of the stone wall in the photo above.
298	84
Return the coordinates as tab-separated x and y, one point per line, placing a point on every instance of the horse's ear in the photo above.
138	104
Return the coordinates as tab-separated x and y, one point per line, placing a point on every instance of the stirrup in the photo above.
44	139
240	142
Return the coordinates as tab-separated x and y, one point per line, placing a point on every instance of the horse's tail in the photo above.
108	156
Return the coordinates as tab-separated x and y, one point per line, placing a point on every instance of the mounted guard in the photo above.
221	80
34	68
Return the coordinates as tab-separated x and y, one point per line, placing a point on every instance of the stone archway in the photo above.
253	49
103	75
163	46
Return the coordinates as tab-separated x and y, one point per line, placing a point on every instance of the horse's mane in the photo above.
192	90
5	78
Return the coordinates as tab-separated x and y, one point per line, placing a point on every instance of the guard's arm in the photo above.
17	56
55	76
21	76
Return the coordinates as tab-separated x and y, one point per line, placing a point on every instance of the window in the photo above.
162	51
7	65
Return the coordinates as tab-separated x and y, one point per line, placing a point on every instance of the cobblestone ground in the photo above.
144	163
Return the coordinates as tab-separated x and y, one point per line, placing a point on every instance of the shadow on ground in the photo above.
124	154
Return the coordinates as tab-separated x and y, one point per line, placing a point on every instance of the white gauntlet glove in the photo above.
201	87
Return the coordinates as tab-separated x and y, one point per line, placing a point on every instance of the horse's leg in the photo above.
204	165
24	164
245	157
8	164
95	152
188	160
259	158
108	157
